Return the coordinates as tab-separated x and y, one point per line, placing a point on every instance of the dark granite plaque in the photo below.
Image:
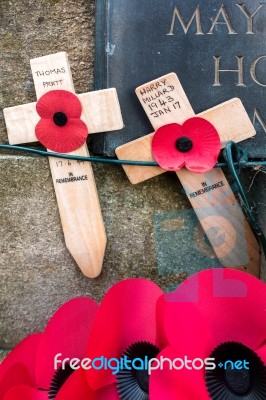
217	49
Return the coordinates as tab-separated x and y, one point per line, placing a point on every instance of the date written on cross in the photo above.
71	176
160	98
68	162
74	184
210	194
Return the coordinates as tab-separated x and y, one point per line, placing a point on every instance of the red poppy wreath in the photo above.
28	372
60	128
168	341
218	314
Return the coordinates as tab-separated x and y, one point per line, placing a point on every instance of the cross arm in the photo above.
100	112
20	123
75	188
229	118
211	196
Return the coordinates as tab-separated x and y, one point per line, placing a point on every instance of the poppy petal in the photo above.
59	101
66	335
17	374
62	139
187	330
162	340
23	392
201	149
76	387
172	384
127	314
24	353
262	353
107	393
206	145
195	164
233	304
164	148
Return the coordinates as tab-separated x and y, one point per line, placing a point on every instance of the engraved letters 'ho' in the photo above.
224	22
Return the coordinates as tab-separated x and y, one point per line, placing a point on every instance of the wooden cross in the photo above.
77	200
220	215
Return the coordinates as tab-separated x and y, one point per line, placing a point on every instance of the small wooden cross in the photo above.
220	215
77	200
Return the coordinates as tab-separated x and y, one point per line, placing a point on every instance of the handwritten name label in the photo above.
54	71
164	99
51	73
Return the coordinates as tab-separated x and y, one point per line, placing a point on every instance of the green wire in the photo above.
79	158
232	150
108	160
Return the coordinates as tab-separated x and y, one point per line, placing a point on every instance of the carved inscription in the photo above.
220	20
243	18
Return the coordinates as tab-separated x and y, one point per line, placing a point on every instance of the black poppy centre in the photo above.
133	383
60	118
184	144
60	377
239	373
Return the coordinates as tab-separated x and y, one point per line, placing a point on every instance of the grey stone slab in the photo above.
140	41
3	354
37	273
254	181
31	29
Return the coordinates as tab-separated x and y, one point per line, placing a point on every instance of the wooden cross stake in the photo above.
78	201
220	215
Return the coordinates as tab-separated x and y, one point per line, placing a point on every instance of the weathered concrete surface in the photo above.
254	181
37	274
3	354
29	29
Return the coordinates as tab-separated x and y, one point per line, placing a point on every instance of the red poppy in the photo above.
28	372
195	145
60	128
77	387
128	322
218	314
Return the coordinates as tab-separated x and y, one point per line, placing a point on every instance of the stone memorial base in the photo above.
149	226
